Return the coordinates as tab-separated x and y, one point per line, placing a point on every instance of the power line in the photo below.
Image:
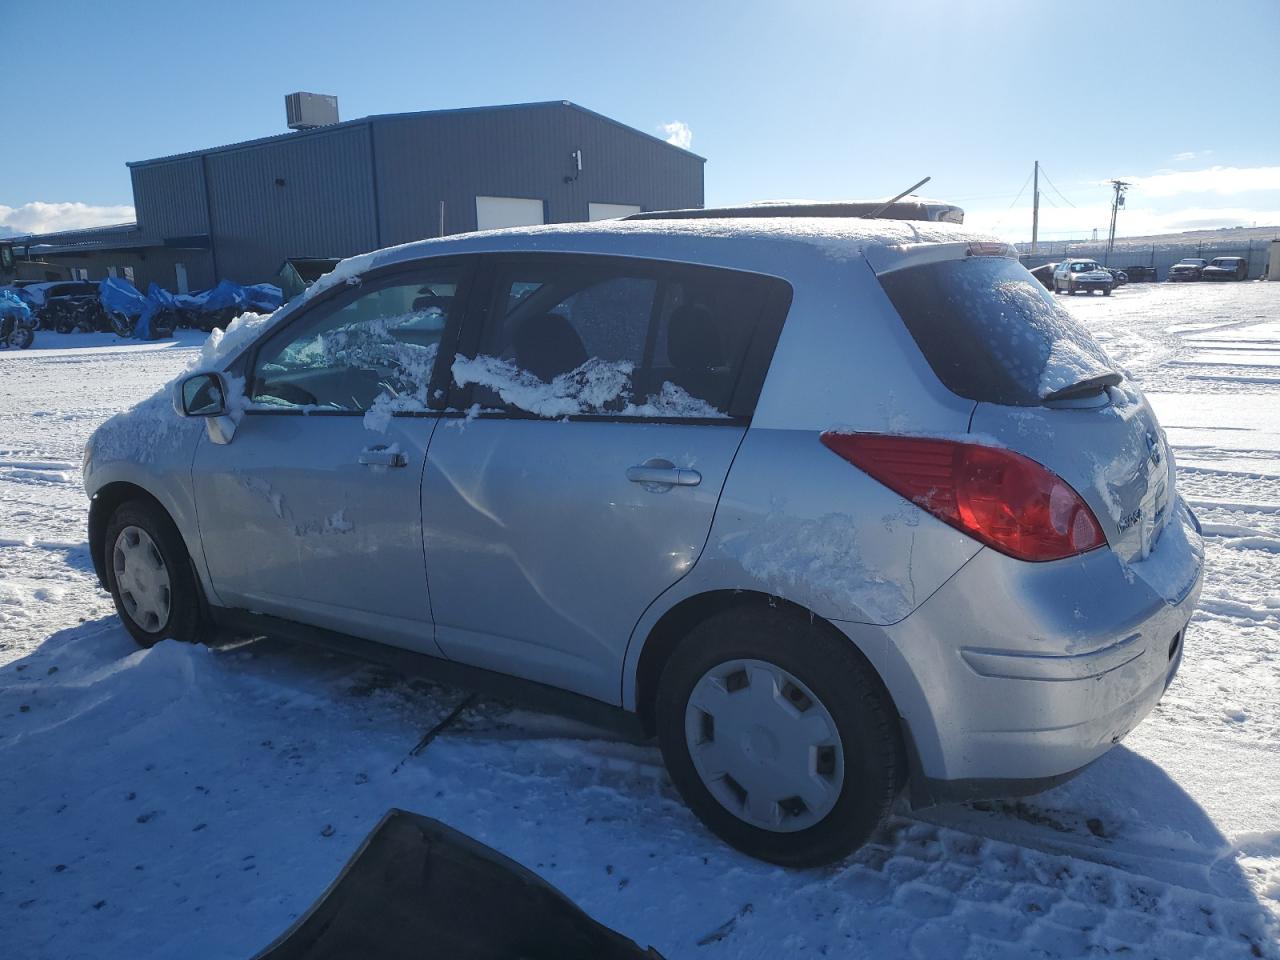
1055	187
1000	220
1020	192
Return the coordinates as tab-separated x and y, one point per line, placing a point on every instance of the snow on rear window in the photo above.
991	332
596	387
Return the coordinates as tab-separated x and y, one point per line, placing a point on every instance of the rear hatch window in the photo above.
992	333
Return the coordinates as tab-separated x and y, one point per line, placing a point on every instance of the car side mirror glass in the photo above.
204	395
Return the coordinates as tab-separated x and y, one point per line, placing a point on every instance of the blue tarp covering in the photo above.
263	297
12	306
120	296
158	300
226	294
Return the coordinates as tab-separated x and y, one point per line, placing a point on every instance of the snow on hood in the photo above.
152	427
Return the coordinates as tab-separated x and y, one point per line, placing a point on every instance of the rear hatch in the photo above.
1041	383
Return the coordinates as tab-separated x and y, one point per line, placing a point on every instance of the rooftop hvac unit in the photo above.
306	111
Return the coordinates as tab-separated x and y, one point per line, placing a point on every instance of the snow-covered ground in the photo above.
191	802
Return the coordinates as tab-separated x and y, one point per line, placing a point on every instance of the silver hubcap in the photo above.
764	745
142	579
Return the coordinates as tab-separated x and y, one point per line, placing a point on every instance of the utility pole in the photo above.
1035	210
1117	202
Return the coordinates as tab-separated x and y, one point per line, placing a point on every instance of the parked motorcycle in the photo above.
17	325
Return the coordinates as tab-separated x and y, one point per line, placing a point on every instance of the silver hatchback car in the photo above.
831	507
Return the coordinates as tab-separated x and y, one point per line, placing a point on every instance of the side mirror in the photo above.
206	395
203	395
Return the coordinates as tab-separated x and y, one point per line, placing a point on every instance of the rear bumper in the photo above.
1013	676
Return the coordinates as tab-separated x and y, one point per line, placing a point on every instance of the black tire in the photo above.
20	338
827	663
187	620
121	325
1106	291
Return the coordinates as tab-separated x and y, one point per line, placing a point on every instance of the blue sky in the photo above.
811	100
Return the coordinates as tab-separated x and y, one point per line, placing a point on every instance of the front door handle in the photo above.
382	456
663	474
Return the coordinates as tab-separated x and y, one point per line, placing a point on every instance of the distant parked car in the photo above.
1140	274
1086	275
1226	268
1044	273
1188	268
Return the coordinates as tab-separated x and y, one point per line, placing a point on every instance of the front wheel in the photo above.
1106	291
21	337
150	576
779	736
121	325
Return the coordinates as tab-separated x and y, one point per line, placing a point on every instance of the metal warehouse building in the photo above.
240	211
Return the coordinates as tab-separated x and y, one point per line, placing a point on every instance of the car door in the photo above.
606	399
313	511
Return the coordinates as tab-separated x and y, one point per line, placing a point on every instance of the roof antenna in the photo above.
886	205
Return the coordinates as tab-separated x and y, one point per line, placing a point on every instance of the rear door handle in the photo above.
662	474
381	456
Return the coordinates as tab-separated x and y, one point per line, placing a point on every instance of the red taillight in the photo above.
997	496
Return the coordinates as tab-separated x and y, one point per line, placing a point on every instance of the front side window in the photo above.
374	347
598	336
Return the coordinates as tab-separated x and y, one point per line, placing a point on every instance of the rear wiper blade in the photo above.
1085	388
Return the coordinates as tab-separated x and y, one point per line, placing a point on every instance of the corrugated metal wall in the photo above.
169	198
316	194
309	197
522	152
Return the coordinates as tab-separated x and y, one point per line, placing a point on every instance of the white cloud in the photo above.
1191	155
1221	180
677	132
42	217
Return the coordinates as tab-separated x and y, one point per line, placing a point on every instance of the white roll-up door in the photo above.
495	212
611	211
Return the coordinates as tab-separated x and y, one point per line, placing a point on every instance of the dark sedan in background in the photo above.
1226	268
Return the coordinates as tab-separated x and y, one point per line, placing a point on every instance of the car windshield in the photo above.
991	332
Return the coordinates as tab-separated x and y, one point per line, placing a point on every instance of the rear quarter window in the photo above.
991	332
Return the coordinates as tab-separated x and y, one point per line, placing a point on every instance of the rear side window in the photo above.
991	332
603	336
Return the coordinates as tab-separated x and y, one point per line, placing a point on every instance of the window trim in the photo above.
481	329
342	294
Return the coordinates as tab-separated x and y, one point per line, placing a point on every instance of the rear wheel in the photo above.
1106	291
779	736
150	576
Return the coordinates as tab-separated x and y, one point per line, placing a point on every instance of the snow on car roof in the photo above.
835	237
